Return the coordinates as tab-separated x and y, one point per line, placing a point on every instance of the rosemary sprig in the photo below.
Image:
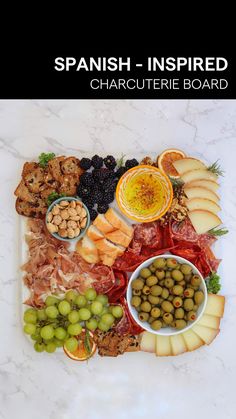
87	342
120	161
176	182
218	231
216	169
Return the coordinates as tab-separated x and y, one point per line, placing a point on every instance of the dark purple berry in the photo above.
87	179
85	163
110	162
120	171
131	163
102	208
93	214
97	161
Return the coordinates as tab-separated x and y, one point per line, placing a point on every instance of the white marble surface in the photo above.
35	386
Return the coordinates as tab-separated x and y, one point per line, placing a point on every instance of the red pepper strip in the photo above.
119	288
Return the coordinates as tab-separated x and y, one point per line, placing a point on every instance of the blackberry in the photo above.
93	214
85	163
108	198
83	191
102	208
102	174
87	179
131	163
110	162
88	202
120	171
98	197
109	185
97	161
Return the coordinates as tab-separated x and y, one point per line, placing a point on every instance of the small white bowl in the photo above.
167	331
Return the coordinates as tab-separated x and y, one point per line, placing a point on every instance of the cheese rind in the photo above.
178	345
215	305
207	334
163	346
192	340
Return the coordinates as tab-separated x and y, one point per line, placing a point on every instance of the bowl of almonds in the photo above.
67	219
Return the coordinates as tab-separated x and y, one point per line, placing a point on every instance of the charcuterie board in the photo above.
86	229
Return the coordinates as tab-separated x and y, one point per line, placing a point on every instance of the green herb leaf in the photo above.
53	196
44	159
218	231
87	342
176	182
213	283
120	162
216	169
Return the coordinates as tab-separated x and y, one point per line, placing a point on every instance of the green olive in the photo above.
198	297
159	263
145	273
177	290
152	268
156	325
151	319
160	273
187	278
156	290
168	274
153	300
167	318
172	263
195	307
137	292
185	269
161	300
161	283
177	302
189	292
143	316
177	275
170	298
180	324
146	290
137	284
191	316
182	283
146	306
144	297
155	312
151	280
179	313
165	293
188	304
167	306
136	301
169	282
196	280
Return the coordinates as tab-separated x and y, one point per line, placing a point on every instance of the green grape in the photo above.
52	312
39	346
46	341
74	329
117	311
59	343
103	327
50	347
102	299
51	300
107	319
84	314
60	333
91	324
29	328
47	332
36	336
64	307
105	310
71	344
73	316
96	307
90	294
41	314
30	316
71	296
80	301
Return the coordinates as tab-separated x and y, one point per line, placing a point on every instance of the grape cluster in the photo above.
61	321
97	186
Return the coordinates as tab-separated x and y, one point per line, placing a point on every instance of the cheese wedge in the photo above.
187	164
178	345
163	346
209	184
215	305
118	222
192	340
94	234
203	220
202	203
200	192
207	334
148	342
198	174
209	321
119	237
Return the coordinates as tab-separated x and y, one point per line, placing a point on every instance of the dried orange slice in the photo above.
166	159
82	353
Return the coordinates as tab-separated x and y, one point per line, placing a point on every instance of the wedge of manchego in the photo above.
202	203
203	220
198	174
200	192
208	183
188	163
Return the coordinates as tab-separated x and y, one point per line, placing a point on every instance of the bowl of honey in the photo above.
144	193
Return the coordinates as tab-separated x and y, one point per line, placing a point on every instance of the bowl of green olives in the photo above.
166	295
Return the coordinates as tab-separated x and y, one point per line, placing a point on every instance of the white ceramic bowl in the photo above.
167	331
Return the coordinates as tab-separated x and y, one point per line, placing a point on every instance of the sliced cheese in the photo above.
187	164
215	305
207	334
148	342
200	192
178	345
209	321
198	174
163	346
192	340
202	203
203	220
209	184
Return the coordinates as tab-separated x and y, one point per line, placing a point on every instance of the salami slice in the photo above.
183	231
148	234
